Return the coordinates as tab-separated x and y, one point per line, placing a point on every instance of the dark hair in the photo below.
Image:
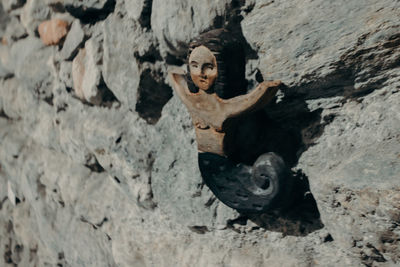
231	62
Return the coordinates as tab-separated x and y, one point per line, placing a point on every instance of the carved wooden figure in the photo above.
213	90
209	112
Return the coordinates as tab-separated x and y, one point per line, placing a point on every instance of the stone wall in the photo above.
98	157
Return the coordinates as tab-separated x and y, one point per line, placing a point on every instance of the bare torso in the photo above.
210	112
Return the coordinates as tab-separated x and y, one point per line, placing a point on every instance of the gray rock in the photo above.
66	73
120	69
4	18
20	54
298	47
86	73
9	5
5	70
356	152
14	31
33	13
167	17
9	105
360	178
73	40
29	62
134	8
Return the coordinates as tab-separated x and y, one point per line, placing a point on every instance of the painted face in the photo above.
203	67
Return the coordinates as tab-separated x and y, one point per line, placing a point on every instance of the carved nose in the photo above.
203	71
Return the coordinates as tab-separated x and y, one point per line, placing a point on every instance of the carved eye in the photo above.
209	66
194	64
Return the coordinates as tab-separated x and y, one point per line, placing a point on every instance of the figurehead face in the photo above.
203	67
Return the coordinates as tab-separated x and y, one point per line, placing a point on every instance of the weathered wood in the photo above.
210	112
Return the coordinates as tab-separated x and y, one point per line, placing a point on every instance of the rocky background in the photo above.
98	157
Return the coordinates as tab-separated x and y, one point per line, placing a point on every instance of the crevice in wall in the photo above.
231	21
145	16
174	60
13	250
5	116
94	225
57	7
373	255
91	15
93	164
148	201
153	94
151	55
108	97
16	4
199	229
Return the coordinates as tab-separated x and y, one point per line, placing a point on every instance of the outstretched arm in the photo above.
252	101
180	87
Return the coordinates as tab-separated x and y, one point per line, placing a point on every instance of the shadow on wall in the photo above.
287	128
153	94
299	219
297	213
290	128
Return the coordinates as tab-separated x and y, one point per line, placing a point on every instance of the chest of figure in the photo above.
210	134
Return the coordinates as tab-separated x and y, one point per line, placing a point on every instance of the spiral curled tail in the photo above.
247	189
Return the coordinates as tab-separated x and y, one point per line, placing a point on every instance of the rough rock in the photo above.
298	55
72	41
350	78
98	157
3	20
134	8
28	61
14	31
33	13
166	21
86	73
120	64
9	5
65	73
4	56
4	72
361	179
78	73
